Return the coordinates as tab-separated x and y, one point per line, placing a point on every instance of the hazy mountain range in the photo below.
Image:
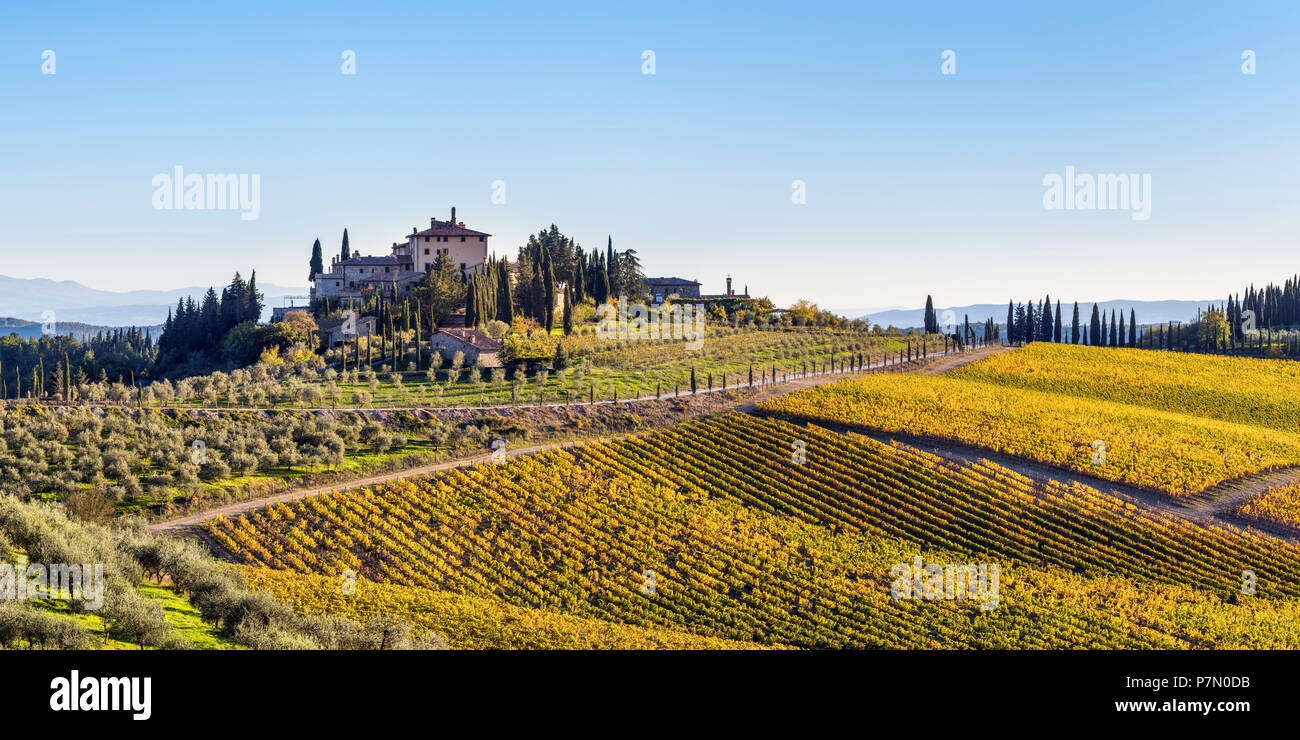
30	298
32	329
1147	312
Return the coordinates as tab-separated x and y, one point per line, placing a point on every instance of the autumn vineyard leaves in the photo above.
744	545
1169	422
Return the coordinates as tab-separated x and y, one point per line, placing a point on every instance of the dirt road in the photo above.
186	523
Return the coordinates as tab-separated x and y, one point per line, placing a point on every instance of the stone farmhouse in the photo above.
662	288
478	348
407	265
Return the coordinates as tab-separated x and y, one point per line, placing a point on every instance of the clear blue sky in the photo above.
916	182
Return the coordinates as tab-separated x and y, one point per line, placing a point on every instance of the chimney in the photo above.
356	254
432	221
728	285
453	215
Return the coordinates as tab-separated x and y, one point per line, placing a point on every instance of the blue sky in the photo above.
917	182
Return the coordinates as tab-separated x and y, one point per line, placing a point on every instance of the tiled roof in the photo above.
447	228
355	261
473	337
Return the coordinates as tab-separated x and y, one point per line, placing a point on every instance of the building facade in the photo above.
661	288
403	270
478	348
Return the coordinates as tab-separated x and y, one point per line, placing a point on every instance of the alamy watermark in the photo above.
177	191
1101	192
933	581
57	581
638	321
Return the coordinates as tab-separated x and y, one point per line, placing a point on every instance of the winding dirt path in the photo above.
1214	506
189	522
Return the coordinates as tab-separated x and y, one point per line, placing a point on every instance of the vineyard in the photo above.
715	529
1280	506
471	622
1025	408
1237	390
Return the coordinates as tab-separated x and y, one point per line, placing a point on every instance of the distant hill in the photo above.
1148	312
30	298
30	329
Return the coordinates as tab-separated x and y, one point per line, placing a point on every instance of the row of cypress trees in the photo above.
1042	323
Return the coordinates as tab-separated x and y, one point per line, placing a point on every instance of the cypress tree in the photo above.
1122	333
931	322
471	305
548	289
1056	336
602	281
1094	327
568	312
1074	325
1045	320
1112	327
317	264
505	303
253	309
1132	328
1011	322
346	253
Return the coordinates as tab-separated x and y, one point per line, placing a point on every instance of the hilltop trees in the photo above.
483	301
194	332
1045	320
441	291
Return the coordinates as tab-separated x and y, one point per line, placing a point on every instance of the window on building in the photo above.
462	238
426	238
480	238
426	250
